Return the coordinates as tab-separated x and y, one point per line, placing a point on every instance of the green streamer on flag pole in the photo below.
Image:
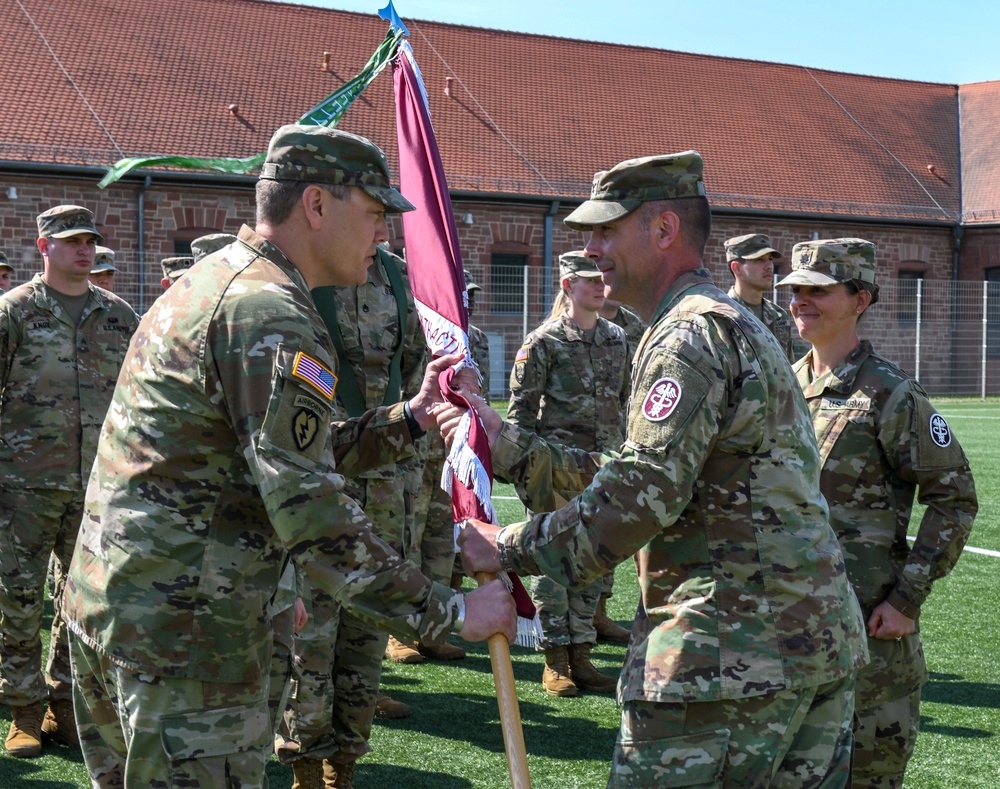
327	113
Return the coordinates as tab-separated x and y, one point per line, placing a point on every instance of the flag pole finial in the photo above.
389	14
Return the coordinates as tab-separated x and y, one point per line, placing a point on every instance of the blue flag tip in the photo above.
389	14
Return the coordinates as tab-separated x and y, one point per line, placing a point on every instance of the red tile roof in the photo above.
528	115
980	114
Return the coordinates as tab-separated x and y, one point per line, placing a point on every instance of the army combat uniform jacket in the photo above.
219	452
881	440
775	319
742	581
633	326
56	382
569	389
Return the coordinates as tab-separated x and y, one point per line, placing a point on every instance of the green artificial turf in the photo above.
453	738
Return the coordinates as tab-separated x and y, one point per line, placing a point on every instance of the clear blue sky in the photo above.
926	40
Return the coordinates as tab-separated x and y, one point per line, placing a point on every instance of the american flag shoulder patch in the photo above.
314	373
522	354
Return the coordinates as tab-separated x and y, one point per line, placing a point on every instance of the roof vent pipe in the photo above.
447	86
326	61
234	109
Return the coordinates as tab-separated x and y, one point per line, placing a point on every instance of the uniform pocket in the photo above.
686	760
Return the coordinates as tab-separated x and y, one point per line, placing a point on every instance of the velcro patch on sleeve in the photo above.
297	424
668	394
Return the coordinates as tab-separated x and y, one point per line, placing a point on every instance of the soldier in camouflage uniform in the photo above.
740	671
62	342
570	384
6	269
203	246
380	355
751	260
220	452
880	442
104	270
431	538
173	268
620	315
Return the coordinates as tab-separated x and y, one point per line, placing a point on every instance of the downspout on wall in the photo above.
141	208
547	255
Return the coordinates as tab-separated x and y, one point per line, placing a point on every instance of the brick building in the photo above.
522	122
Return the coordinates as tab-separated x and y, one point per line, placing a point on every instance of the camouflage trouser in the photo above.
283	624
884	743
566	615
790	739
608	584
164	732
34	524
430	535
338	658
888	711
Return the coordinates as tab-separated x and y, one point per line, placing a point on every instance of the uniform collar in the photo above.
261	246
678	289
841	378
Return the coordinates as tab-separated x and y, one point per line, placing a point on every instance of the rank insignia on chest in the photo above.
314	373
940	432
661	400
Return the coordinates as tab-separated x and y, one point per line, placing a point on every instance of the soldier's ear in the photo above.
313	204
43	245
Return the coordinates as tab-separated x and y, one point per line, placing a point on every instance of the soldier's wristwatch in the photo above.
456	626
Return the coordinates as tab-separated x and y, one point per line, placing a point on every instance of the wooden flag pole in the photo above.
510	712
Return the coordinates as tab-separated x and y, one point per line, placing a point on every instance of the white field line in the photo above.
969	548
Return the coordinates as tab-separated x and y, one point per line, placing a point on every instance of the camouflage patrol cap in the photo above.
206	245
832	261
749	247
470	285
577	264
626	186
4	263
319	154
64	221
104	260
174	267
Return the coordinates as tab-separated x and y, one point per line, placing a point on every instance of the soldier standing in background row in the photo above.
430	539
740	671
204	246
570	384
751	260
620	315
6	269
881	441
219	454
104	270
381	353
62	342
173	268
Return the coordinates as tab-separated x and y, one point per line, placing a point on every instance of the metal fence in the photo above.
945	334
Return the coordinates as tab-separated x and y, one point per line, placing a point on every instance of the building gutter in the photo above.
141	210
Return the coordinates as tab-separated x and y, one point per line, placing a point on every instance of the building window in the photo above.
906	298
507	274
182	248
992	276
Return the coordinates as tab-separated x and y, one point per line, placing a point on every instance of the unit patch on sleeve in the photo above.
315	373
940	432
661	400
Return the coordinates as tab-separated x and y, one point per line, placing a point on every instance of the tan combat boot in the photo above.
386	707
584	674
60	724
337	775
24	739
444	651
555	678
402	651
608	629
308	774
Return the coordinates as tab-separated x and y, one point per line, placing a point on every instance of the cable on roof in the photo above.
876	141
72	82
482	109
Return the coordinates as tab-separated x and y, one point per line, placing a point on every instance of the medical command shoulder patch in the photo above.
314	373
661	400
940	432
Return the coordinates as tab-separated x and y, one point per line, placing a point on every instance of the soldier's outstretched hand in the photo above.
422	405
